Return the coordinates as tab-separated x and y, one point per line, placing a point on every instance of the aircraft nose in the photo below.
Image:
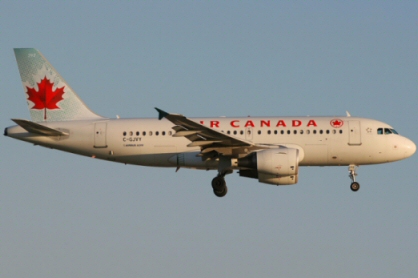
409	147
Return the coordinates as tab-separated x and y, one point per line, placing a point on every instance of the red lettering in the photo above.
214	123
281	123
202	122
234	123
249	123
265	123
296	123
312	122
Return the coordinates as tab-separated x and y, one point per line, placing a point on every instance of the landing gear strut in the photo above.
355	186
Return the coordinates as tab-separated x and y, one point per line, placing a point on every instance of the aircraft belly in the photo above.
315	155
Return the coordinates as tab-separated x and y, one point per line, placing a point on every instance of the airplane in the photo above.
269	149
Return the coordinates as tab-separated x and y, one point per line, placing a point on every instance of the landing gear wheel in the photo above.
355	186
219	186
218	183
221	193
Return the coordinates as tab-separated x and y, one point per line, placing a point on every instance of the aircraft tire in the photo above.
355	186
218	184
221	193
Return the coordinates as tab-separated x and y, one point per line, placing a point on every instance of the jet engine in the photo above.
273	166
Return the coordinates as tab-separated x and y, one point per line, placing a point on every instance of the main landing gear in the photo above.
355	186
219	185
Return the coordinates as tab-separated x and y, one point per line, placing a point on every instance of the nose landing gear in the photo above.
355	186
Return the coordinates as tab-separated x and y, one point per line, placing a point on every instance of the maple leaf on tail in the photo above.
45	97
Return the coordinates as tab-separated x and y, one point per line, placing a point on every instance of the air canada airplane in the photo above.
269	149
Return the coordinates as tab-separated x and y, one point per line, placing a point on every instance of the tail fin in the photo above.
49	96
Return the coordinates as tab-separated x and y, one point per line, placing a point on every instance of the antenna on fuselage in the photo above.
348	114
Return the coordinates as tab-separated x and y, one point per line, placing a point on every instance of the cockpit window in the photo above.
388	131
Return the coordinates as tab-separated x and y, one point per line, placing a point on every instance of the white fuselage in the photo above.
149	142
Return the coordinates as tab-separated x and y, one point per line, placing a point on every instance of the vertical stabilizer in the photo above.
48	95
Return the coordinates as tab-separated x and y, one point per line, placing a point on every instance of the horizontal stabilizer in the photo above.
36	128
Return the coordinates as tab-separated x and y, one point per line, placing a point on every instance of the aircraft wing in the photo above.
204	137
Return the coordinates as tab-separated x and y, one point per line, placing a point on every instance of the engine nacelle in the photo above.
273	179
192	160
273	166
280	162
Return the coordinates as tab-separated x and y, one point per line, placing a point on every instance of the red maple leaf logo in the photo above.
45	97
337	123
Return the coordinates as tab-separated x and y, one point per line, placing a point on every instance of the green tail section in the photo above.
49	96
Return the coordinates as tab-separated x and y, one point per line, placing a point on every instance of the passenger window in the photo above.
295	132
150	133
308	131
241	132
144	133
259	132
131	133
301	131
157	133
170	133
334	131
228	132
288	132
235	132
137	133
282	132
163	133
314	132
327	131
268	132
124	133
341	131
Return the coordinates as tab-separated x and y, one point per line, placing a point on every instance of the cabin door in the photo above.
100	135
354	133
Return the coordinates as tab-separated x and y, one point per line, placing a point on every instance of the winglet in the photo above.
161	113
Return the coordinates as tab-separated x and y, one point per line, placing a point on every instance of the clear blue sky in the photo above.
64	215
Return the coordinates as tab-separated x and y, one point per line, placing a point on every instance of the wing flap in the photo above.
39	129
184	133
202	143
